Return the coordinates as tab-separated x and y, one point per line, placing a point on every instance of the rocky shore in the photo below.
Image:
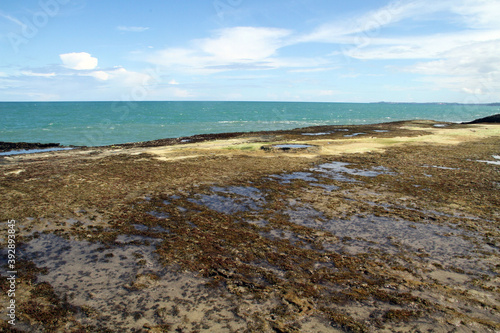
494	119
8	146
387	227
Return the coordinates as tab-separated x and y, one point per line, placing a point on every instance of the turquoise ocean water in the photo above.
105	123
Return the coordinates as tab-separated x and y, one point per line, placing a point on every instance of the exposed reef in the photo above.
395	229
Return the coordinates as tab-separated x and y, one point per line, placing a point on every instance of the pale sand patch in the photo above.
15	172
250	145
437	135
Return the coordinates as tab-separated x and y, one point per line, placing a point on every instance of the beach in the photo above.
359	228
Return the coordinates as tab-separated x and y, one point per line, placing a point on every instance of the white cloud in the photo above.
420	47
478	14
464	60
173	82
131	29
235	48
358	29
30	73
78	61
122	77
100	75
477	17
242	44
473	68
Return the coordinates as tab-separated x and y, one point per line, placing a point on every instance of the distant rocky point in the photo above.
494	119
7	146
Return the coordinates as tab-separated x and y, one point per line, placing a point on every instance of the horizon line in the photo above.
225	101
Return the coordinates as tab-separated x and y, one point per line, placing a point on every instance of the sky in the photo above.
250	50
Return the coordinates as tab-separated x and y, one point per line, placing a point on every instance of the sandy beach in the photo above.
387	227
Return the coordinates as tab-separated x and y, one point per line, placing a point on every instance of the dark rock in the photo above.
8	146
495	119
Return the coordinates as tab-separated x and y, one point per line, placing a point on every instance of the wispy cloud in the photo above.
131	29
464	60
244	44
312	70
450	45
356	30
30	73
231	48
237	48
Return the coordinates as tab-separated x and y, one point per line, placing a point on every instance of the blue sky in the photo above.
251	50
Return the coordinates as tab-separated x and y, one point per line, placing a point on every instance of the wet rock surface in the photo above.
8	146
494	119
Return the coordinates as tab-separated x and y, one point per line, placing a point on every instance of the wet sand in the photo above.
388	227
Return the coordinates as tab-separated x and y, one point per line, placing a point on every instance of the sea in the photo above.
108	123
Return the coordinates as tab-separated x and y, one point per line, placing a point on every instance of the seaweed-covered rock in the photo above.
494	119
7	146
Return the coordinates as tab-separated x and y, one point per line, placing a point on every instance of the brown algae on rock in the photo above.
250	240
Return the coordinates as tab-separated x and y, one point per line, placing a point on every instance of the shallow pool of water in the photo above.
31	151
292	146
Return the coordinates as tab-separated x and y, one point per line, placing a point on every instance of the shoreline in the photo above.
12	146
360	228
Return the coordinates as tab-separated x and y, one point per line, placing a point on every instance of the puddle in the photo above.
160	215
222	204
239	199
291	146
306	216
442	243
381	131
292	237
414	237
327	187
497	157
287	177
353	135
320	133
31	151
248	191
140	227
439	167
125	287
336	171
134	239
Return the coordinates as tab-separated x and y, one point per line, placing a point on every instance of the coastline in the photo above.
10	146
388	226
108	123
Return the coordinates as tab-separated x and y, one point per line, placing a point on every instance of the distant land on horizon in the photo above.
439	103
215	101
